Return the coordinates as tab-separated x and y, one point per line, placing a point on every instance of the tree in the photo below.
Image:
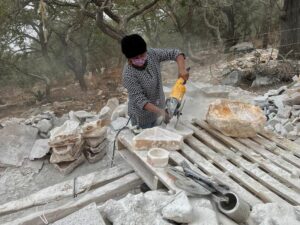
290	29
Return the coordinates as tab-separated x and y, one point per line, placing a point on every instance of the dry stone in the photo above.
133	210
99	148
275	214
94	142
235	119
119	123
67	167
94	157
39	149
179	128
203	212
44	125
100	132
119	111
16	142
66	134
67	153
88	215
179	210
157	137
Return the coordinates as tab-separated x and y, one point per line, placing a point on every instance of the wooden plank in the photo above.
272	147
102	194
254	170
255	187
125	137
279	163
282	142
66	189
138	165
220	176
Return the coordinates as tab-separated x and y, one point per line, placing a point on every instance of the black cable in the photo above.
114	147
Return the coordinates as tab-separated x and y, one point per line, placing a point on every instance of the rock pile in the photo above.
257	67
282	109
66	143
95	134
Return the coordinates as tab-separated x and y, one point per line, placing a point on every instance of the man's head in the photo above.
134	48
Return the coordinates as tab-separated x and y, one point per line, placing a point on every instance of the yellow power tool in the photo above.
175	102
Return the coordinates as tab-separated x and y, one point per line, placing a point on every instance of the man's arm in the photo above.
182	72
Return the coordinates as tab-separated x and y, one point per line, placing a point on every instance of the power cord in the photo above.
114	146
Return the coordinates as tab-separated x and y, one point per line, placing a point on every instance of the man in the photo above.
142	79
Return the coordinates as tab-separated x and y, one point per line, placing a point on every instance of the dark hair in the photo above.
133	45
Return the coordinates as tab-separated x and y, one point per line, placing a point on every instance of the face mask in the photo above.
140	61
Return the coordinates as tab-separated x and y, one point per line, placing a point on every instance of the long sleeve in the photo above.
166	54
135	91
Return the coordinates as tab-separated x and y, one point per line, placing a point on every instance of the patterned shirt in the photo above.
145	85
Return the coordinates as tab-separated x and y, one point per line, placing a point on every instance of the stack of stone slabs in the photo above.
67	145
95	136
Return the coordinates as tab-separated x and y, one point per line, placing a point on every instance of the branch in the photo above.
64	3
215	28
108	29
144	10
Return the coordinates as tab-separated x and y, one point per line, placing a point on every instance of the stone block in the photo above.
284	112
66	134
235	118
288	127
100	147
133	209
261	101
119	123
203	212
179	210
94	132
94	142
292	135
278	127
179	129
67	167
83	114
66	153
39	149
275	213
112	103
95	157
157	138
16	142
120	111
293	99
44	125
89	215
234	78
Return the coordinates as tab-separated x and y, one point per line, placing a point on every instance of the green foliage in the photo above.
71	34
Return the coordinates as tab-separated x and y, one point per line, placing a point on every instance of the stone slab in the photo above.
39	149
88	215
67	167
100	147
16	142
157	137
179	210
94	142
94	157
179	128
203	212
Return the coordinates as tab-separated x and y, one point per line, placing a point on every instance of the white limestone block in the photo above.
157	137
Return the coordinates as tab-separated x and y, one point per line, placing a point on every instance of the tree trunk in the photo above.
290	32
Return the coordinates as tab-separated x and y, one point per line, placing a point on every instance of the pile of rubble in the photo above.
256	67
69	140
282	109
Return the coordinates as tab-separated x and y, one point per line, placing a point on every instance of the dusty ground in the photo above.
69	97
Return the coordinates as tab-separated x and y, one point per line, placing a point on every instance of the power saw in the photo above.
175	102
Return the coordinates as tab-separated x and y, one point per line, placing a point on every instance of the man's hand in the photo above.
166	117
184	74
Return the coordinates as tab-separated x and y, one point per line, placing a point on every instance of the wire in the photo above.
114	146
